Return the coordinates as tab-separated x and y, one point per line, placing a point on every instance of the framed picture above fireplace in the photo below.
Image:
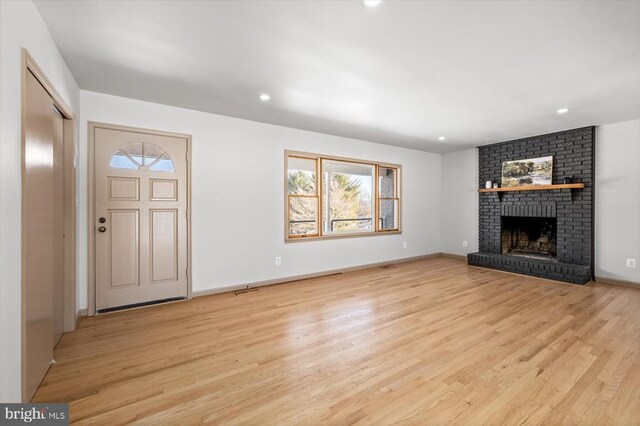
530	171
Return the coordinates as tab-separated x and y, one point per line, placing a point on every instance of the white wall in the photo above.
617	202
460	202
20	26
238	196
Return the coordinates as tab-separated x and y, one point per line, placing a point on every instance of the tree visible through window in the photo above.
347	197
303	196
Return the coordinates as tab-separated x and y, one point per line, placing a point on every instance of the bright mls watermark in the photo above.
38	414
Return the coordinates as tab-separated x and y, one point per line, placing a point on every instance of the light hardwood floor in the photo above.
426	342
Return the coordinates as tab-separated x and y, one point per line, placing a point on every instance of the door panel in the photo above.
124	189
125	247
38	237
140	191
163	190
164	245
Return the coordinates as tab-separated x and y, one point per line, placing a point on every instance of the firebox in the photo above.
529	236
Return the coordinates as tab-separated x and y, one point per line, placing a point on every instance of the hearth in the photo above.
534	237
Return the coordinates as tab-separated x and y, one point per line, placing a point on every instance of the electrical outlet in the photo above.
278	261
631	263
404	245
465	244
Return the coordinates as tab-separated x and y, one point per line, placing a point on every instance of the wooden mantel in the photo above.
535	187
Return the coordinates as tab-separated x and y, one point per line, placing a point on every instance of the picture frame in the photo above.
527	172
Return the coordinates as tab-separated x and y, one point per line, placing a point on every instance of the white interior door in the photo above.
141	217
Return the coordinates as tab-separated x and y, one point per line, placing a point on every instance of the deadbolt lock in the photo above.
102	220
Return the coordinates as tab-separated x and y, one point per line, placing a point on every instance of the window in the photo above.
329	197
140	155
388	199
303	196
347	197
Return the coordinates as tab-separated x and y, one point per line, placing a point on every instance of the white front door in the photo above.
141	217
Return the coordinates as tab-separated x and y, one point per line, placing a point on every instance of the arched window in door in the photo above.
142	155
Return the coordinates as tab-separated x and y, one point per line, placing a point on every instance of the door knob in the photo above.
102	229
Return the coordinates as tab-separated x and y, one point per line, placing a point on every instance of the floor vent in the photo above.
246	290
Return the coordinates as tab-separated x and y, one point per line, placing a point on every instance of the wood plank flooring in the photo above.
427	342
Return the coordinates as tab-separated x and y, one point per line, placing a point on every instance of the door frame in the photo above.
92	126
29	65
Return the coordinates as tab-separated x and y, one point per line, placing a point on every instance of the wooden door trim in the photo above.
91	223
29	65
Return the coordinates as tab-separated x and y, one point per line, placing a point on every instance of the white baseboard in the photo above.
621	283
199	293
454	256
79	314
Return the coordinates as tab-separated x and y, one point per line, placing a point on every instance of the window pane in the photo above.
302	176
135	151
387	182
163	165
388	214
347	197
121	161
303	214
151	153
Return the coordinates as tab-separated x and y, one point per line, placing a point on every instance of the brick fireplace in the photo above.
543	233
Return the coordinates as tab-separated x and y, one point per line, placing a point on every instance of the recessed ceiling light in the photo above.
563	110
441	138
371	3
265	97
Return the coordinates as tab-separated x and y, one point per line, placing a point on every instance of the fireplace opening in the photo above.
529	236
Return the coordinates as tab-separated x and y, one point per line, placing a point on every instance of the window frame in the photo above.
396	192
289	196
377	230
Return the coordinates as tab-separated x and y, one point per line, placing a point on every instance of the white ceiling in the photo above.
402	74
